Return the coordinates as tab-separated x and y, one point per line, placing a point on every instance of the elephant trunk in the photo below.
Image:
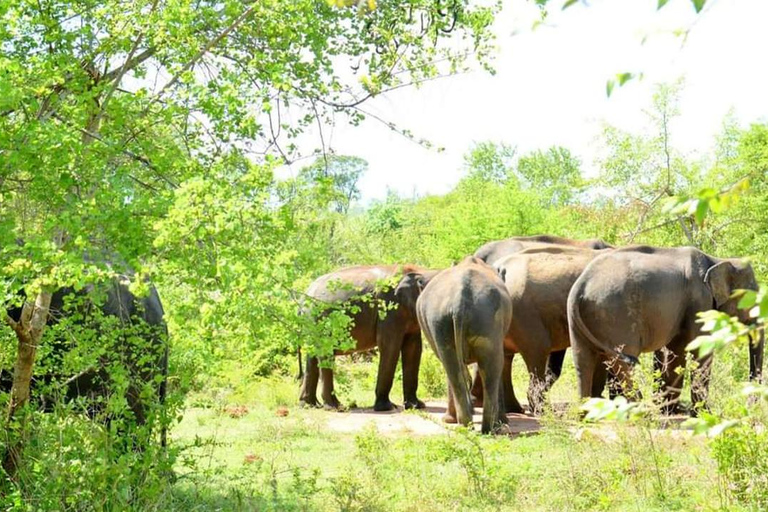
756	348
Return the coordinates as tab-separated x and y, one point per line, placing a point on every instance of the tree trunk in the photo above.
29	330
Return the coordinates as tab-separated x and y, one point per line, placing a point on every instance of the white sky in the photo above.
550	88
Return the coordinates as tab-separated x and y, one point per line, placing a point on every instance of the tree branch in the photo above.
210	44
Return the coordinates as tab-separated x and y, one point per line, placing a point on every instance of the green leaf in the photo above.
701	212
609	87
569	3
624	78
698	5
662	3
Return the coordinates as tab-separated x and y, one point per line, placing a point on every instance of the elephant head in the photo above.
725	277
722	279
409	288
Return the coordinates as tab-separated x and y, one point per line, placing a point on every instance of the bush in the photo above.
742	462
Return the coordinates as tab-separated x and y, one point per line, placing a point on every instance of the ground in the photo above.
251	447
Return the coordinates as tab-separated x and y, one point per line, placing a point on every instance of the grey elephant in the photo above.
136	341
642	299
464	312
494	251
396	334
538	281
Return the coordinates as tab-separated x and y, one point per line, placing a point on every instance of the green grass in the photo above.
269	462
242	443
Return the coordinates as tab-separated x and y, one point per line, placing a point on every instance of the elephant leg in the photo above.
700	383
450	411
599	380
510	400
308	394
667	364
585	359
477	387
411	354
490	365
554	367
329	396
622	373
537	368
389	353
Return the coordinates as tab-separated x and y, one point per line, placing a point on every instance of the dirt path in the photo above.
426	423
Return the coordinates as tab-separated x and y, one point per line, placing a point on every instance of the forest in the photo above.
157	260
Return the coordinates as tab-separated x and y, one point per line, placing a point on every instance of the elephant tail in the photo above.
577	323
457	371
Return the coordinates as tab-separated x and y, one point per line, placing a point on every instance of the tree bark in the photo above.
29	331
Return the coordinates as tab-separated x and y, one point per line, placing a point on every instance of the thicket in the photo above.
179	180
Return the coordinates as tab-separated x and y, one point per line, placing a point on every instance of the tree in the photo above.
339	175
110	112
644	170
489	162
555	171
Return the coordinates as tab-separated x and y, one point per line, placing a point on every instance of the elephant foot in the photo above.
384	405
673	409
309	403
332	403
502	429
448	418
414	404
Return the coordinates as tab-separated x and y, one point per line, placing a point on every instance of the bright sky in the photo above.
550	88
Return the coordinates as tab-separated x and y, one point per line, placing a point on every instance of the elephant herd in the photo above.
535	296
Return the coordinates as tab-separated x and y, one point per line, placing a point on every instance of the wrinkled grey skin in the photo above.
499	249
464	312
538	281
642	299
494	251
398	334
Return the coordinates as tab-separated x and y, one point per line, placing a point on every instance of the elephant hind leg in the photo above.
329	395
585	359
458	385
308	394
477	387
666	365
554	366
491	365
510	400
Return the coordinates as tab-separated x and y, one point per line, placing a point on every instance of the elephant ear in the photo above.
421	282
718	280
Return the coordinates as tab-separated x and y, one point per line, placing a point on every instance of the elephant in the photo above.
538	281
464	312
642	299
494	251
120	320
396	334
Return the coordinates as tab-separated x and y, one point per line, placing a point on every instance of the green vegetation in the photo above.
174	173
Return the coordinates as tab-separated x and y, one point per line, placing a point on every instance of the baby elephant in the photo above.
464	312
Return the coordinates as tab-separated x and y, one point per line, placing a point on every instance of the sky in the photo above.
549	88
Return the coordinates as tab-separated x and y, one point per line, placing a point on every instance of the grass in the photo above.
242	443
266	461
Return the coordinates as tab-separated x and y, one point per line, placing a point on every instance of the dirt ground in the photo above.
426	423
